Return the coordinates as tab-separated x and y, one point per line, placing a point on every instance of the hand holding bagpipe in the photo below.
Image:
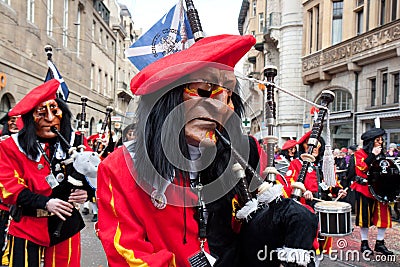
73	188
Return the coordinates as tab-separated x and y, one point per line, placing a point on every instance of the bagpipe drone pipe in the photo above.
70	174
275	230
273	227
270	223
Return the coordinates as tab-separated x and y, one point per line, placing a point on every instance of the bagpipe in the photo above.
282	225
106	122
70	174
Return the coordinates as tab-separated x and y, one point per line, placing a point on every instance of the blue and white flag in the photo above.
53	73
170	34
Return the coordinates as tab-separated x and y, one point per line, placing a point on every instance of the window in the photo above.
5	104
311	29
360	21
78	30
396	87
384	88
373	91
254	8
314	29
382	18
317	44
101	36
6	1
111	84
30	12
99	80
49	25
337	17
65	25
394	10
261	22
105	85
92	77
93	29
342	102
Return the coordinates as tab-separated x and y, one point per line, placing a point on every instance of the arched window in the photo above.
5	105
343	101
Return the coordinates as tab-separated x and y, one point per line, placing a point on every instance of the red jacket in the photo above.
132	230
361	170
17	173
311	180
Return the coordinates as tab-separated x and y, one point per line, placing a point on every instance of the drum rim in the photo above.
343	208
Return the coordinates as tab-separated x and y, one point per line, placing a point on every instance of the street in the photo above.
92	251
345	249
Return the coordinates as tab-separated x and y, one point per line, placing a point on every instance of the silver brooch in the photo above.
158	199
60	177
40	166
57	168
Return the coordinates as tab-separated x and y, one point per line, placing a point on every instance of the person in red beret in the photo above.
168	199
33	169
369	210
314	184
289	151
11	125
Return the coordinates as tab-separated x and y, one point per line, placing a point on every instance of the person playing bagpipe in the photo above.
168	199
314	182
40	182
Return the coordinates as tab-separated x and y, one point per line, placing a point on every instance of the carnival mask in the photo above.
208	103
12	124
46	115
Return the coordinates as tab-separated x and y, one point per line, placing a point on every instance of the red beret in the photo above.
304	138
42	93
93	137
225	50
289	144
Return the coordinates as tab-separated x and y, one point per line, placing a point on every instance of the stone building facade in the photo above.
277	26
88	40
352	47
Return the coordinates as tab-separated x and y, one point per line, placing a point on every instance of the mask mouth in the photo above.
207	121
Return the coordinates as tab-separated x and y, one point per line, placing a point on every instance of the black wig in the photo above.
155	125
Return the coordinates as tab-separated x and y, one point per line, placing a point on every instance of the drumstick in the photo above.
340	195
318	199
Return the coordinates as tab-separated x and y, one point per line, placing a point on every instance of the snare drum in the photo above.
334	218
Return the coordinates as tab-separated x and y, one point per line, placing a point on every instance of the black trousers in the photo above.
24	253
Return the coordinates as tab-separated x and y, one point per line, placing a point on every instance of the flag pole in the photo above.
194	21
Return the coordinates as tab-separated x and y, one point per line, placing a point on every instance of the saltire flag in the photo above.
170	34
53	73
